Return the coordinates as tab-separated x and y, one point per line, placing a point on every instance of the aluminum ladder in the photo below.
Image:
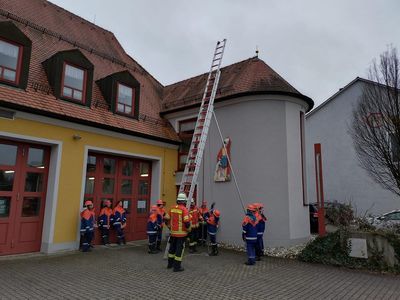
196	151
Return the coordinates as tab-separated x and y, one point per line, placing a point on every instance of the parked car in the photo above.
313	209
387	219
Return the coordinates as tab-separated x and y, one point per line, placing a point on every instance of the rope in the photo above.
230	163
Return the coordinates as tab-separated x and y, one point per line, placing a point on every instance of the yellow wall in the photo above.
71	172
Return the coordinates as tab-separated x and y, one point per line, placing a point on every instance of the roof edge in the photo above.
341	90
36	111
308	100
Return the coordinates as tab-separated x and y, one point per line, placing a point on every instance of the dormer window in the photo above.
122	92
125	99
15	54
73	85
10	61
70	74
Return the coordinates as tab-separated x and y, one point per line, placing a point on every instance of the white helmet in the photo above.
181	197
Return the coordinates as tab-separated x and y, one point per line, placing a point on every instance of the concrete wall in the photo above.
344	179
265	154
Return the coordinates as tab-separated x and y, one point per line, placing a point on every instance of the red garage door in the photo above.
23	179
119	178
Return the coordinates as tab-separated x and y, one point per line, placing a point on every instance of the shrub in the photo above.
339	214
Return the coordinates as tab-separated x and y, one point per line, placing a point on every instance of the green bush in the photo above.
334	249
331	249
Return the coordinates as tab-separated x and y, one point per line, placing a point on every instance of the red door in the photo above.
23	182
118	178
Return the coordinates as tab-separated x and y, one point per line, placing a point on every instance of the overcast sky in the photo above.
317	46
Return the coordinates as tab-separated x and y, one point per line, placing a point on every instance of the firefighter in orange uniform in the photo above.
105	220
164	218
179	228
153	226
203	224
261	219
194	233
212	218
119	222
87	226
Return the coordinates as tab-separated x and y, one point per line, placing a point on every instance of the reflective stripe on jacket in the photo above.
179	221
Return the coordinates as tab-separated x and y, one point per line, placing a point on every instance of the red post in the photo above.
320	189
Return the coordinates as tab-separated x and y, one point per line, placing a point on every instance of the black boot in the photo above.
170	263
191	249
215	249
177	266
158	246
152	249
124	241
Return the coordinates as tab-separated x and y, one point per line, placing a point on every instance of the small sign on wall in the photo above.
358	248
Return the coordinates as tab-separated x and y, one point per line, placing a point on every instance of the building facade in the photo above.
262	115
81	120
344	179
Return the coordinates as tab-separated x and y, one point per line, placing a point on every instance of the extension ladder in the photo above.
195	155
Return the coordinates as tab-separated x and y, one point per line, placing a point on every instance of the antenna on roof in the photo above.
94	19
257	51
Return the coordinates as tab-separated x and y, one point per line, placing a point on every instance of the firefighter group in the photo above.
195	226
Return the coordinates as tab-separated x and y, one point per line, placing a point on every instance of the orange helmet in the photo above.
88	202
217	213
154	208
160	202
251	207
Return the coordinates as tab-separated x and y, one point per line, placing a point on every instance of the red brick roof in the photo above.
52	29
250	76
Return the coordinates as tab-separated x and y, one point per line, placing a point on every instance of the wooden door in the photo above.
23	183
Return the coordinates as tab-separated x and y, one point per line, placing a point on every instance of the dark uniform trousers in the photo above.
176	248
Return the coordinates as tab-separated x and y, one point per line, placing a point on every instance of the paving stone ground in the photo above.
131	273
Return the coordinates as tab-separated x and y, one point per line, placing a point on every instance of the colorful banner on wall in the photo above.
223	169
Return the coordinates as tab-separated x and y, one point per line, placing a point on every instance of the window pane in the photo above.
73	77
36	158
91	164
77	95
34	182
126	187
5	207
142	206
6	180
8	55
108	186
143	188
89	186
8	154
144	169
109	166
9	75
30	207
121	107
128	109
127	168
67	92
124	94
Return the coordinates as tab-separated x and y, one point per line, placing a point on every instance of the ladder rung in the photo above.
218	53
192	166
214	66
220	47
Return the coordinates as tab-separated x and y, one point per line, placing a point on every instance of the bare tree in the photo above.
375	126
